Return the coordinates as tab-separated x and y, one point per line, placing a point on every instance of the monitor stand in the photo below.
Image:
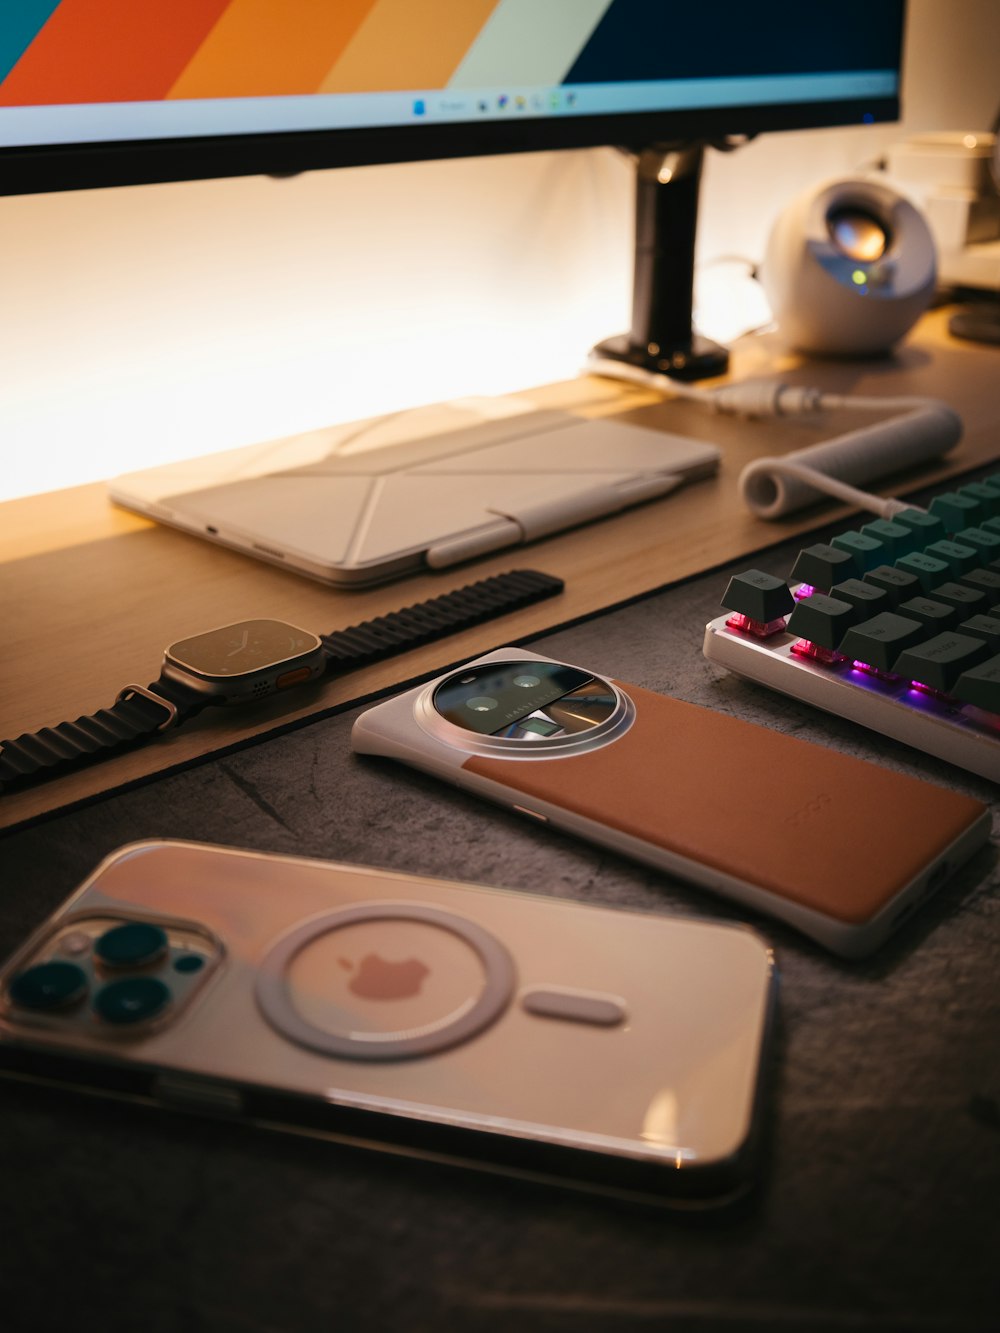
661	339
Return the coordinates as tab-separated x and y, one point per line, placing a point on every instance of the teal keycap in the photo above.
982	540
897	538
980	685
867	551
927	527
925	569
988	496
956	511
938	662
879	641
956	555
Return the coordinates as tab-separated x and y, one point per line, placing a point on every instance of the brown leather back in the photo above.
818	827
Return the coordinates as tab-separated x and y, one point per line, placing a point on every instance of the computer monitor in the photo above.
113	92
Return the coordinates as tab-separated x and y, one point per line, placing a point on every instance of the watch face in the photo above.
235	650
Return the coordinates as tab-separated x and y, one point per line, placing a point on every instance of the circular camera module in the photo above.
527	701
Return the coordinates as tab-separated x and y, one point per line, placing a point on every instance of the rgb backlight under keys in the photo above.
894	623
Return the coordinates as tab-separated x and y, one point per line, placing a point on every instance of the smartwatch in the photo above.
250	660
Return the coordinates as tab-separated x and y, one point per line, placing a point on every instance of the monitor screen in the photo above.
108	92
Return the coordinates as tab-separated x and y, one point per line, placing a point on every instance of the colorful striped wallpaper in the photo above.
58	52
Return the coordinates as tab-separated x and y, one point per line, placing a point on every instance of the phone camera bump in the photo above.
46	986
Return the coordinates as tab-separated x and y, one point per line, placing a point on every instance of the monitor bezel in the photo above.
82	166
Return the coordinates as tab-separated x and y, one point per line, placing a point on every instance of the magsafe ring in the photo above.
384	981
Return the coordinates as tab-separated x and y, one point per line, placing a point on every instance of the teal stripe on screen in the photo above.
20	23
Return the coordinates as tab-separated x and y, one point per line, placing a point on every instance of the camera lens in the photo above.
131	945
527	682
53	985
131	1000
481	703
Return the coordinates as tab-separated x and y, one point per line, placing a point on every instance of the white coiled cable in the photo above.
774	487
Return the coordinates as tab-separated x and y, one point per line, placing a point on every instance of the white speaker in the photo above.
850	266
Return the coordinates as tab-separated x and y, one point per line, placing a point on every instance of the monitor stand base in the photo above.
697	358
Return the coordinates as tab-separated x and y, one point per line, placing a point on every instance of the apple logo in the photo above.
381	979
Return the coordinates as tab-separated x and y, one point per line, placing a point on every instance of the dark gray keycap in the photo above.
879	641
981	685
822	620
758	595
938	662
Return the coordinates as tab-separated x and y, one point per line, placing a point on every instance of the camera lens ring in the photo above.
539	748
47	986
131	944
131	1000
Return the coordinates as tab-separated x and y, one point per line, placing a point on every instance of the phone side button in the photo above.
574	1006
532	814
193	1094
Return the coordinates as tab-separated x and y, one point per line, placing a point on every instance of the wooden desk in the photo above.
90	594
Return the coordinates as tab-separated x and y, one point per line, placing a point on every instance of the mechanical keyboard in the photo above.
894	624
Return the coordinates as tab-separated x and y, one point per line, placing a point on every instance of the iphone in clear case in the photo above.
839	848
610	1049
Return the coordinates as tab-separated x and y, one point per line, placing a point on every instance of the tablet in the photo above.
345	518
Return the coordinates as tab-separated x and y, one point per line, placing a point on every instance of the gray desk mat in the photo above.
878	1203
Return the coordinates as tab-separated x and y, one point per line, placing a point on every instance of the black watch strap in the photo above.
139	712
373	640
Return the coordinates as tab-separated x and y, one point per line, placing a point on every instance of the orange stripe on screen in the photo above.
403	45
270	48
110	51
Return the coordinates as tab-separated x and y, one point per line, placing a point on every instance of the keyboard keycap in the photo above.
878	642
982	540
897	584
895	537
987	495
961	598
986	581
925	569
927	527
934	616
867	552
956	511
986	628
957	556
939	662
822	620
758	596
864	596
822	565
981	686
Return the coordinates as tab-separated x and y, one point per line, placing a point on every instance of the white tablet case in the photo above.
366	517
